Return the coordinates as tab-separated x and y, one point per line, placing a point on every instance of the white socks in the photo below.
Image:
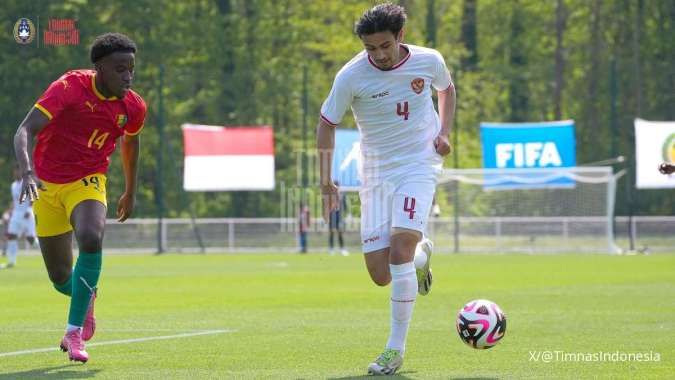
70	327
12	249
403	295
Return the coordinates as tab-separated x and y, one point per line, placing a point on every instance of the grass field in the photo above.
314	316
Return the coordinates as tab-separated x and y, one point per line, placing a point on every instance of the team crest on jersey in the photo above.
121	120
417	85
24	31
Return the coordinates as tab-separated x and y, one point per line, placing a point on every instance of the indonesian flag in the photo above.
228	158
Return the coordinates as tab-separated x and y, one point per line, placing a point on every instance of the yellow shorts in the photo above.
57	200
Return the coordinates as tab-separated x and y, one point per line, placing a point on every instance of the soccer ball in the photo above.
481	324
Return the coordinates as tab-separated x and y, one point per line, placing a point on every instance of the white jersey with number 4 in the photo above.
393	108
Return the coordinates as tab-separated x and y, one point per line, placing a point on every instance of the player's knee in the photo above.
402	248
90	239
59	275
380	278
401	255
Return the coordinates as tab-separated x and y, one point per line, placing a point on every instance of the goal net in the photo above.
526	210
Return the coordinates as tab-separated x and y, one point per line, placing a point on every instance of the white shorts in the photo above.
403	201
21	226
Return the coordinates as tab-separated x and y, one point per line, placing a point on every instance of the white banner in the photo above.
228	158
654	144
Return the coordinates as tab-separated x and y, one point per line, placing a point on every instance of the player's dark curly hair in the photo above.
380	18
109	43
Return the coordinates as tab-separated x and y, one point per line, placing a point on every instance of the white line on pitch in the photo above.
100	329
123	341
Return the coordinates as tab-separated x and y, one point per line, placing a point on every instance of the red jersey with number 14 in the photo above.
83	127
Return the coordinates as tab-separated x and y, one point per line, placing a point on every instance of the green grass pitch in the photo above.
315	316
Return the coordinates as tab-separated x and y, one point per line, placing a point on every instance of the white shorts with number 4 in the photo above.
402	201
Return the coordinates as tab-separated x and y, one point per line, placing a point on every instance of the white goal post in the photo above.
529	210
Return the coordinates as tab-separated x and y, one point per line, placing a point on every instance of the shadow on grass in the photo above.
68	371
399	375
402	375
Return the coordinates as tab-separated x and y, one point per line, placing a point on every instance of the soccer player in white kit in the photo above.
21	222
403	140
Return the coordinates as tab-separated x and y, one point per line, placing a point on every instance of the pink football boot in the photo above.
72	342
89	320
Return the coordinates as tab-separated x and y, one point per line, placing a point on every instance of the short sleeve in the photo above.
136	118
338	101
442	79
55	99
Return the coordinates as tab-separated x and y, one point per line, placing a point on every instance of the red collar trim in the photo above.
396	66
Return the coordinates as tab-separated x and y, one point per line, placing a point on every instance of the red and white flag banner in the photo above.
228	158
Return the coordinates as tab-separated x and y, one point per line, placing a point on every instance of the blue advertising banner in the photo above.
346	158
529	146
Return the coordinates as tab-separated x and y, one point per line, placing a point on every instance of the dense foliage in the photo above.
240	62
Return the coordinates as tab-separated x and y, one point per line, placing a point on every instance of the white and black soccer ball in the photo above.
481	324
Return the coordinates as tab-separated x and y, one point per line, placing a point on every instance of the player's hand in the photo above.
329	199
666	168
125	206
442	145
29	187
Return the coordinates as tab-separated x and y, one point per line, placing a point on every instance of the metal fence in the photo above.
476	234
541	235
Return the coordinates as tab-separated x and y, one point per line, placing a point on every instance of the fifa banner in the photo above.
528	146
228	158
347	158
654	144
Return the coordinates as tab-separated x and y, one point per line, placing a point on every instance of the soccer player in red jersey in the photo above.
76	123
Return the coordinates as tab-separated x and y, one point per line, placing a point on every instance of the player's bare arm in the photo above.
23	148
446	112
130	146
666	168
325	144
